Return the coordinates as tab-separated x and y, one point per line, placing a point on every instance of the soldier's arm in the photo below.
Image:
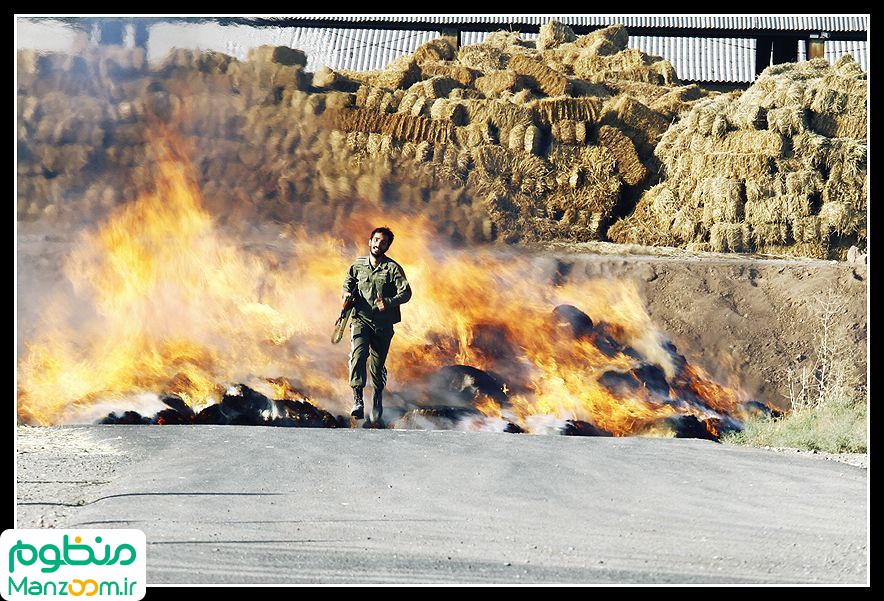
403	289
349	283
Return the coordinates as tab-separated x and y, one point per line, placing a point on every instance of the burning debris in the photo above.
462	385
493	341
240	406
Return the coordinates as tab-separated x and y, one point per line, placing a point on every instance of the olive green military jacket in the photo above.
388	280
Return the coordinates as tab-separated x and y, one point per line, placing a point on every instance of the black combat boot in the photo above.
377	406
358	406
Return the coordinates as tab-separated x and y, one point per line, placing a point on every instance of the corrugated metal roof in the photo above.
801	23
835	49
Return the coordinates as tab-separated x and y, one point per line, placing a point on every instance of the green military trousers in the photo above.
368	341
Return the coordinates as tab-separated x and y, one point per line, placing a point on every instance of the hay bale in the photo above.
847	66
685	224
765	143
407	103
732	165
640	118
516	139
495	83
846	158
805	182
747	115
721	199
839	218
563	132
813	250
777	209
282	55
439	49
329	79
787	120
448	110
482	57
553	34
629	165
465	94
609	40
353	120
767	234
550	110
379	144
339	100
401	73
729	237
710	115
548	81
629	64
809	229
459	73
677	100
853	193
417	107
433	88
569	132
812	148
493	161
474	134
416	129
662	201
533	137
760	188
369	97
834	125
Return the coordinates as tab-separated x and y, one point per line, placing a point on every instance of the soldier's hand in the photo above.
379	303
345	298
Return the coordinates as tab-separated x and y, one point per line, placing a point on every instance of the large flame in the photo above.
167	302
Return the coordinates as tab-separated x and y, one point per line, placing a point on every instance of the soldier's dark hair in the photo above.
382	230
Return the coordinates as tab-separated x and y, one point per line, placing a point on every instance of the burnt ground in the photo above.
747	318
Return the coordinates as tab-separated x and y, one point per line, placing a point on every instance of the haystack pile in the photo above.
506	140
547	138
501	140
781	168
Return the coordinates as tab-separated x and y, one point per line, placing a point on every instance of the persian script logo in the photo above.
59	563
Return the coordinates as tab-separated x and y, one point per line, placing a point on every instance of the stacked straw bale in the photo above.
504	140
781	168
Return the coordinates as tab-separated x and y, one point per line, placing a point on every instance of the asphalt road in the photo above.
233	504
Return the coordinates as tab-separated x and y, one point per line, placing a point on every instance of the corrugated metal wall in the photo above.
694	59
806	23
835	49
703	59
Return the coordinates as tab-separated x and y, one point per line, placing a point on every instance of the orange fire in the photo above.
171	303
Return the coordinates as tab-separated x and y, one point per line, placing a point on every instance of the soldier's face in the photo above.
378	245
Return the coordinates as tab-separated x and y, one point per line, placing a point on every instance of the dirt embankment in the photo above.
744	317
